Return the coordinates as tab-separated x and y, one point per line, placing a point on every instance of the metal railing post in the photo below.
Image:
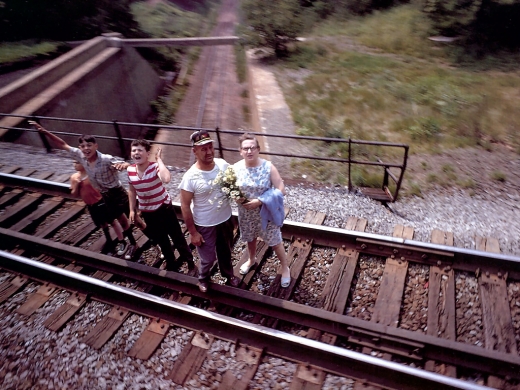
120	140
403	168
43	137
220	151
349	165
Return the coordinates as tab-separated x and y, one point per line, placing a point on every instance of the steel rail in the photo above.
30	183
408	344
333	359
427	253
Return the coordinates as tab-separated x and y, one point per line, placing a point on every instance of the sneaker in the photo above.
130	252
121	247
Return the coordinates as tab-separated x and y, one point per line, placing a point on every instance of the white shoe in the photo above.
244	269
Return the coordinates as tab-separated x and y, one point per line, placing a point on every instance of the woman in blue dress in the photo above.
262	214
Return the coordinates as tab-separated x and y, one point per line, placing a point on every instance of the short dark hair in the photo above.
87	138
142	142
247	137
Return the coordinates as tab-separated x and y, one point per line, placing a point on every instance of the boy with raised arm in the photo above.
146	181
102	170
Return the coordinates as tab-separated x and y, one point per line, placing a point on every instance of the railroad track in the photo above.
388	348
211	101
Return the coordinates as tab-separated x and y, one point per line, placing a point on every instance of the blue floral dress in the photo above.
253	182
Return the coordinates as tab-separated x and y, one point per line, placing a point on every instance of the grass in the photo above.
380	78
25	50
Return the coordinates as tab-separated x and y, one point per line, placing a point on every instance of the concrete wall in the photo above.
118	85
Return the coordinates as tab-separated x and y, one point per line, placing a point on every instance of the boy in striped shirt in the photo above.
146	181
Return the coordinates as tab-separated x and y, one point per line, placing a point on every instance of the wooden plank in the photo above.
388	301
441	302
80	232
10	197
499	333
9	168
252	358
62	178
37	299
25	172
42	295
47	207
106	328
21	208
65	312
10	287
308	377
191	358
150	339
314	217
72	212
43	175
336	292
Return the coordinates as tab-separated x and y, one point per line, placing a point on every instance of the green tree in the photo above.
273	25
64	19
485	23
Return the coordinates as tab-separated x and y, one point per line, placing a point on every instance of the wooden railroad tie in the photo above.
388	301
499	333
441	303
335	293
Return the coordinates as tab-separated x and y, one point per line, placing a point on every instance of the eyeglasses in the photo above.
250	149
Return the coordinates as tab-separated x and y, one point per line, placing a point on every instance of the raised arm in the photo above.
163	172
60	144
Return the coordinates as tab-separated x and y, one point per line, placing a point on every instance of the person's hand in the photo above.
131	217
252	204
38	127
196	239
158	154
121	166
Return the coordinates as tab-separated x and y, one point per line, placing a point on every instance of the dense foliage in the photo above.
273	26
483	24
486	23
64	19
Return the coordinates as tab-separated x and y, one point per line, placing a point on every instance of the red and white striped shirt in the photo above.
150	190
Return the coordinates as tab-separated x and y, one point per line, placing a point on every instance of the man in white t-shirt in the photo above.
206	212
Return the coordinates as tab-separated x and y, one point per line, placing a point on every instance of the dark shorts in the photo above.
116	200
99	213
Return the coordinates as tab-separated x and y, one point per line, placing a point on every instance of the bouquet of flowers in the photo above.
227	181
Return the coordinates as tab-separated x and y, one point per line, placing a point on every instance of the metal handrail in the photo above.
387	174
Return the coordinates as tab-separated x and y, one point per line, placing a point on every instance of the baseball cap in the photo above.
200	137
